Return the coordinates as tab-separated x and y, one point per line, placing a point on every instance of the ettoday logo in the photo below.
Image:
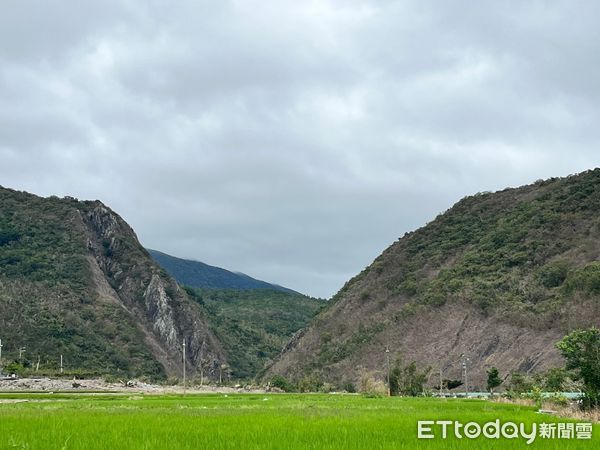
441	429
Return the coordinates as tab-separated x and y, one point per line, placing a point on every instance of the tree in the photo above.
581	349
555	379
452	384
280	382
14	367
407	380
493	380
223	368
310	383
519	383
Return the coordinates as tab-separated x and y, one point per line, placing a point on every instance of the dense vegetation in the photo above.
519	262
407	380
199	275
581	349
50	303
47	302
528	249
254	325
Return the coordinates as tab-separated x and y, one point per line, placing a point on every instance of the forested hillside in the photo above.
499	277
75	281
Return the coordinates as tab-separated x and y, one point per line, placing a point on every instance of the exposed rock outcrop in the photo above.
165	314
76	284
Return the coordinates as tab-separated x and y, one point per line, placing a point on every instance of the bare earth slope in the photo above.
74	280
499	277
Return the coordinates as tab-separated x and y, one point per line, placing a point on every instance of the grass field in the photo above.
244	421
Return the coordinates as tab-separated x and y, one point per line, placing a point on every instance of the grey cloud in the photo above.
289	140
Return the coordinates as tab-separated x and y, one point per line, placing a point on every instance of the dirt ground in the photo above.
59	385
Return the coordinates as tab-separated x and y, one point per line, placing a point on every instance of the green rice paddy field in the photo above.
244	421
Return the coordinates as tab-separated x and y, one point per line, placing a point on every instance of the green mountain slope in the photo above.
252	319
254	325
499	277
203	276
74	281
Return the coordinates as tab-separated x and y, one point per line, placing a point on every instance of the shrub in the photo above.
558	399
8	236
172	381
14	368
108	252
282	383
409	287
325	337
310	383
349	387
519	383
553	274
372	387
586	279
327	387
536	395
554	379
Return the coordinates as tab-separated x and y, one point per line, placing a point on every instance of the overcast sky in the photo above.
293	140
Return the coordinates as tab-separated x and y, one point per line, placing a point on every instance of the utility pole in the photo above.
184	366
387	354
0	353
202	364
61	364
465	362
21	351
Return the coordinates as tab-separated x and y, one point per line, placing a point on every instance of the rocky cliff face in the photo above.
166	316
109	306
499	278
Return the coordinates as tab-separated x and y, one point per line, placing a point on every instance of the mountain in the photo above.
75	281
253	325
200	275
499	277
252	319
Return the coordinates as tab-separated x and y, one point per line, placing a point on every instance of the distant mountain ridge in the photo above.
200	275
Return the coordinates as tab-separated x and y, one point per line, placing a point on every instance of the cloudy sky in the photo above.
293	140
